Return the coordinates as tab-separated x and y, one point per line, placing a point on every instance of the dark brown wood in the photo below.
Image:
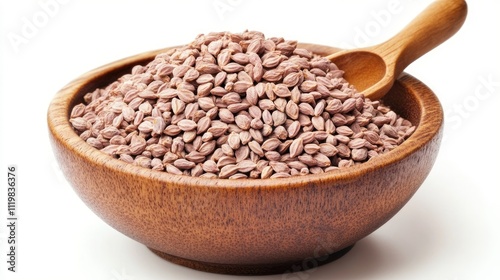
233	225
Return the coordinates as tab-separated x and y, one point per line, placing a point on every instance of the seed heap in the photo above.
237	106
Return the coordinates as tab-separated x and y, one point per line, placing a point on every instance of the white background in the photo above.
449	230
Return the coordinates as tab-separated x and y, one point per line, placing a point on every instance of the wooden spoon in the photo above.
373	70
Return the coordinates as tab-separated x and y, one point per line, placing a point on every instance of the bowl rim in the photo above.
61	130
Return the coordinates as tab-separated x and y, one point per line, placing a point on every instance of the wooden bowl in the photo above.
247	226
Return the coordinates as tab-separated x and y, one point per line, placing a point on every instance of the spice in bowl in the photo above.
238	106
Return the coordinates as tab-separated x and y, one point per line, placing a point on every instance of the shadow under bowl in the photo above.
247	226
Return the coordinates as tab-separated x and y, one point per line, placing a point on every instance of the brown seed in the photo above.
348	105
197	170
279	118
126	158
172	130
240	58
389	131
293	129
306	109
157	150
178	106
225	160
180	70
292	110
128	113
226	149
111	131
281	90
187	125
206	103
234	141
272	75
343	150
242	153
272	59
183	164
203	124
280	132
242	121
115	140
258	72
280	175
207	68
78	111
322	160
245	137
158	126
147	94
308	86
344	130
241	86
228	170
327	149
311	148
146	108
256	148
137	144
236	108
205	78
79	123
271	144
232	67
272	155
266	104
226	116
318	123
207	147
172	169
195	156
256	124
359	154
296	147
279	167
246	166
186	96
296	165
255	112
307	137
208	175
210	166
94	143
307	160
266	172
217	131
357	143
177	145
214	47
292	79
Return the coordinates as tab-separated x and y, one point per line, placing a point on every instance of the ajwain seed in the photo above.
237	106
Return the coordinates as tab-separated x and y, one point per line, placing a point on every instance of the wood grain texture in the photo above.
226	226
373	70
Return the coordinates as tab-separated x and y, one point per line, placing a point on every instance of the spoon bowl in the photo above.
365	70
373	70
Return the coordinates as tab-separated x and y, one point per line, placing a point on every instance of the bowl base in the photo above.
253	269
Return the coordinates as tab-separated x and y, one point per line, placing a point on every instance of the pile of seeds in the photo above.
237	106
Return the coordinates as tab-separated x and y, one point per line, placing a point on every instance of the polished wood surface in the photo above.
227	226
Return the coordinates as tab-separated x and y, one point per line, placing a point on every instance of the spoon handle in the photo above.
438	22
